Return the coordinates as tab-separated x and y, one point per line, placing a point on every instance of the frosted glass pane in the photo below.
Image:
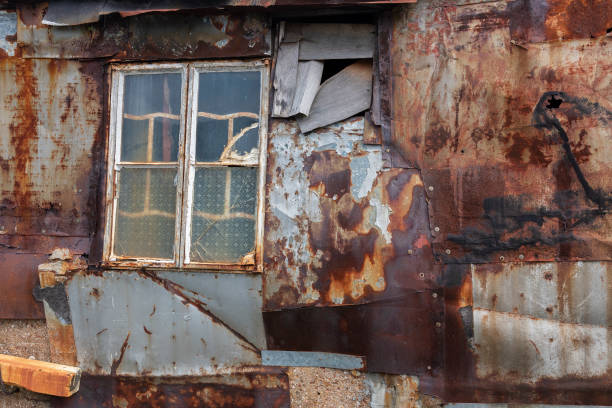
228	115
146	211
223	214
151	118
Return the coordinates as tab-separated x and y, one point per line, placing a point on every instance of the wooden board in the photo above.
285	79
345	94
40	376
308	81
333	41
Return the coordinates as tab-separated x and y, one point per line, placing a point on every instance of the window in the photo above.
186	165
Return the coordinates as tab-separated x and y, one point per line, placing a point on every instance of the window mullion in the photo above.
189	160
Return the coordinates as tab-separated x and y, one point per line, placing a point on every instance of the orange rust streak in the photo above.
23	129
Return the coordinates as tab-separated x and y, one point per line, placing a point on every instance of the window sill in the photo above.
205	268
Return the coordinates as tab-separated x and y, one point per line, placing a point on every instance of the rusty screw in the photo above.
434	295
421	275
410	252
521	257
437	229
501	258
447	251
438	324
429	367
431	188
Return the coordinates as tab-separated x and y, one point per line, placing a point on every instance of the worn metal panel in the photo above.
234	298
8	33
147	325
260	388
511	138
72	12
343	232
577	293
51	124
340	229
19	276
311	359
176	35
519	349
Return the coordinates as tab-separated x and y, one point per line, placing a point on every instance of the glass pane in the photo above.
151	117
228	116
223	216
146	210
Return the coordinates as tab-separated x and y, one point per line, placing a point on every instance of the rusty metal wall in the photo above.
51	126
505	107
348	262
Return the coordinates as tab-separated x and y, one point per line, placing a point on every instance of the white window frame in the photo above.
186	164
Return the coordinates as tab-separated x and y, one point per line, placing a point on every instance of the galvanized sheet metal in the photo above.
179	35
146	324
485	118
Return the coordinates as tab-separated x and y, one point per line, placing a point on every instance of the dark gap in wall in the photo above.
332	67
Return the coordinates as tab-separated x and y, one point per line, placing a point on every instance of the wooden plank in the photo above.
285	79
334	41
345	94
40	376
308	81
371	132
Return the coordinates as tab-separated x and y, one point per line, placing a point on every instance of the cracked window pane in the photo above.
223	214
146	213
228	116
151	118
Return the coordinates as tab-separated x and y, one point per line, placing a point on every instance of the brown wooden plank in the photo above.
371	132
40	376
341	96
334	41
285	79
308	81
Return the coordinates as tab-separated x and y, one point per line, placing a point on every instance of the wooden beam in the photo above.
40	376
345	94
285	79
322	41
309	75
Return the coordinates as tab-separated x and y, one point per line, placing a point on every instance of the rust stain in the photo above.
117	361
24	133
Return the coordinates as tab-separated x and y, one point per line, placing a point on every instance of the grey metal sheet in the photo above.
311	359
131	323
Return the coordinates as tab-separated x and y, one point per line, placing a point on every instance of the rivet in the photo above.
447	251
410	252
421	275
429	367
431	188
521	256
438	324
434	295
437	229
501	258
